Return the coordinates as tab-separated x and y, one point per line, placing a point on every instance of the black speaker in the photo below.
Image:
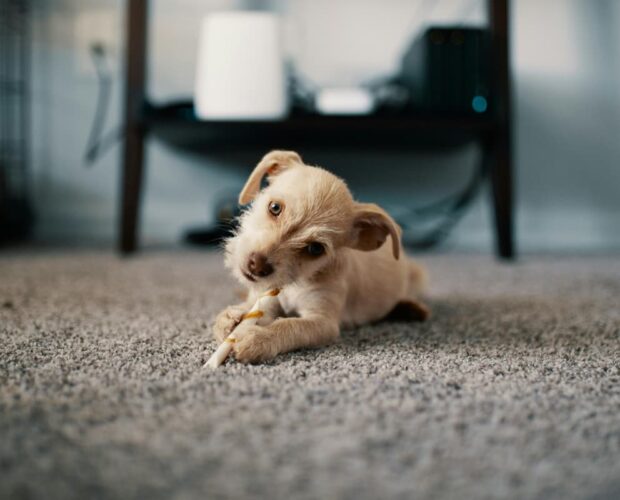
446	69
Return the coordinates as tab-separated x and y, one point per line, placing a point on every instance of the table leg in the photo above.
501	140
134	133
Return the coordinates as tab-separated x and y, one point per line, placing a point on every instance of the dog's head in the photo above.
296	225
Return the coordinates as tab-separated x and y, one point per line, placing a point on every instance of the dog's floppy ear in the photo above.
272	163
371	227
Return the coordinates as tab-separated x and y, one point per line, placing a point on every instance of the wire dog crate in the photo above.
15	211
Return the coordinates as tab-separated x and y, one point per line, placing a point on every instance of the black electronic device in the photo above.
446	69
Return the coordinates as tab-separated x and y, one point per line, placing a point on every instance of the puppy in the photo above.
305	234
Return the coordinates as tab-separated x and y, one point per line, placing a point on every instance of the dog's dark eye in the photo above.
315	249
275	208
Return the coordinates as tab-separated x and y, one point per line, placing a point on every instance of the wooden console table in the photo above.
178	125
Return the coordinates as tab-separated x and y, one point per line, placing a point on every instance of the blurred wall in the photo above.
566	63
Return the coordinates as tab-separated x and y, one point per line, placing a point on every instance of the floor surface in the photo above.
511	390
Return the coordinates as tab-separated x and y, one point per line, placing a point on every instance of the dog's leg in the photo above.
409	310
283	335
228	319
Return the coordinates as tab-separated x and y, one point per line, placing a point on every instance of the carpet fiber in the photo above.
511	390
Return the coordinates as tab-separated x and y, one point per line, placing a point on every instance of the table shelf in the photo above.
177	125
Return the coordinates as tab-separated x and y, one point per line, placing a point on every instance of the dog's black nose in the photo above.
258	265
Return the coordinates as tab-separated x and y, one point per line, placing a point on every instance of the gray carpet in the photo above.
512	390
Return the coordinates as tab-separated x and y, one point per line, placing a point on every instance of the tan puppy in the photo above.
304	233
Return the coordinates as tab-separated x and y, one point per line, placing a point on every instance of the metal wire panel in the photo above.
14	115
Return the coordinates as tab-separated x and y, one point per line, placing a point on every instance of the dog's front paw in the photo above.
256	346
226	321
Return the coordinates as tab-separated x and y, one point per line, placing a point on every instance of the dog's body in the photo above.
306	235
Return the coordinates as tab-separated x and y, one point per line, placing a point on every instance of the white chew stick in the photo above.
262	313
